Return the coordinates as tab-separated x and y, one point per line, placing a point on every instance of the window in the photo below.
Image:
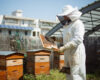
37	33
11	21
34	33
22	21
0	31
9	32
17	33
3	21
26	22
26	33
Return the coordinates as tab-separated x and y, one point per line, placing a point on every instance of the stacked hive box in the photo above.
61	63
41	61
38	62
11	65
54	60
57	61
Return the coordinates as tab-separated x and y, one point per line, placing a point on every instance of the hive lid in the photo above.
36	50
6	53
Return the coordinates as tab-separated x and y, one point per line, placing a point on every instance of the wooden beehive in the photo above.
41	61
11	65
61	63
38	62
57	61
54	60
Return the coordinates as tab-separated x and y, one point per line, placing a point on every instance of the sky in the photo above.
39	9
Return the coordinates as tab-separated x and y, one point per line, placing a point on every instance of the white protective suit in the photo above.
74	51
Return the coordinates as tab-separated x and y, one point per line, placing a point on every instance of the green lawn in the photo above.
55	75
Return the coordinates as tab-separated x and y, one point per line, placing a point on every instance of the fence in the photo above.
92	45
16	43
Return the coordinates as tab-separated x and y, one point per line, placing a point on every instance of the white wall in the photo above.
18	13
37	22
1	19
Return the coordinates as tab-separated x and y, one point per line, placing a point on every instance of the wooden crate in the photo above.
41	68
15	72
11	65
3	75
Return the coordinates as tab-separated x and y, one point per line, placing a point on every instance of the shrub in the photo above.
43	77
29	77
55	75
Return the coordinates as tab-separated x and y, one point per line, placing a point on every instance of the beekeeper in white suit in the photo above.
73	48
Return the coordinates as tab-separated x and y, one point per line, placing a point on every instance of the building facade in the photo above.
17	19
17	24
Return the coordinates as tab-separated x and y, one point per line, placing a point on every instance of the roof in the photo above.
6	53
91	17
14	17
48	21
16	27
37	50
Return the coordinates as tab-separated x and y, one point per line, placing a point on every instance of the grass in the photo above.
92	77
95	76
55	75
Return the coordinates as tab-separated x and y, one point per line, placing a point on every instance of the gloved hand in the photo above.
62	49
67	46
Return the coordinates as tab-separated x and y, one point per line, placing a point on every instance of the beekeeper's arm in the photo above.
78	32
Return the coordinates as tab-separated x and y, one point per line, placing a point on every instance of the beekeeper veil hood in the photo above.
75	15
72	13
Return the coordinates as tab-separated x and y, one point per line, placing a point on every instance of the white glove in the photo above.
67	46
62	49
